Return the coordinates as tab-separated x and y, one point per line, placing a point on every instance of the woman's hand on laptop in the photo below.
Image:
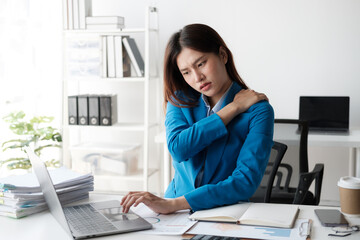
155	203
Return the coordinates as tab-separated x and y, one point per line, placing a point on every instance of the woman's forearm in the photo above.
227	113
179	203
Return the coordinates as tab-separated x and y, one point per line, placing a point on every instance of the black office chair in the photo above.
282	192
263	193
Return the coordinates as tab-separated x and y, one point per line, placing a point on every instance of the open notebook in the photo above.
261	214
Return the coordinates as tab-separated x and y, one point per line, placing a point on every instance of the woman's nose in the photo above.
198	76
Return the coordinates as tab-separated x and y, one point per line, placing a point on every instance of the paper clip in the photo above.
302	230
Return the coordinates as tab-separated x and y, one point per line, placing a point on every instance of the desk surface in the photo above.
287	134
43	226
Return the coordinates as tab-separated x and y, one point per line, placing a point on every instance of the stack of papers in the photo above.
105	22
21	195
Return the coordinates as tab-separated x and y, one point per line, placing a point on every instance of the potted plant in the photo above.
35	132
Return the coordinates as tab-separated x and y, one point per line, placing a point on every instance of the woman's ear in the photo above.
223	54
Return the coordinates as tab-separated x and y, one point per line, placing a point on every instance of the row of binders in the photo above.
21	195
77	14
88	109
119	53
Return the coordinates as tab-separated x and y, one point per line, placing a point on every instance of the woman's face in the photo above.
205	72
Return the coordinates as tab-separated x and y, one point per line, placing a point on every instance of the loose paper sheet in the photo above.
170	224
299	232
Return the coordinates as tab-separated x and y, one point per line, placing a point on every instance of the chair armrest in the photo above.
306	180
288	175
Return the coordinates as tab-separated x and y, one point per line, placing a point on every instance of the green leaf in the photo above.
14	117
39	149
23	164
41	119
53	163
34	131
57	137
3	162
20	144
12	141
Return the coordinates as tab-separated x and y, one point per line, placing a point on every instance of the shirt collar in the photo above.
218	105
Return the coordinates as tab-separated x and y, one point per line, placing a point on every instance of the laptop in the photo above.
325	114
85	220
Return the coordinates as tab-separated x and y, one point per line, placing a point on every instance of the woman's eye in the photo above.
201	64
185	73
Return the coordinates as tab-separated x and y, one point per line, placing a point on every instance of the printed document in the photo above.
165	224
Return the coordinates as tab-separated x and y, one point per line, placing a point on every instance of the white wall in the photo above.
283	48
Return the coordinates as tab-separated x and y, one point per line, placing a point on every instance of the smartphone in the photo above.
331	217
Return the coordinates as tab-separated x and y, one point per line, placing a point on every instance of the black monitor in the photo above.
325	113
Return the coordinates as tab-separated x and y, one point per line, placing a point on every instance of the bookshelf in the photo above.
144	124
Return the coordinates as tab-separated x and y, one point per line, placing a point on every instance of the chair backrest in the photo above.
302	129
277	153
294	178
293	133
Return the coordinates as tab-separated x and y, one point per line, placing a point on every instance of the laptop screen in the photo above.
325	113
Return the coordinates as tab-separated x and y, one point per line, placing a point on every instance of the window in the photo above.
30	60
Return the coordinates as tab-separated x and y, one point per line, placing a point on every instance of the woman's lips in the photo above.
205	86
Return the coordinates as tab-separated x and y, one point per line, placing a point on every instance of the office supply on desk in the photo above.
260	214
344	231
28	183
21	195
26	200
300	230
331	217
165	224
211	237
86	220
44	226
325	114
349	188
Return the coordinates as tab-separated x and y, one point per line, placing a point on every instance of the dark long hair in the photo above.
201	38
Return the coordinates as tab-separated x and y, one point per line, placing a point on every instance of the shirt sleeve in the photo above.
250	166
184	140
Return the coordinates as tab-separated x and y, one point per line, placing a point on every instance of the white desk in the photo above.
43	226
351	141
283	134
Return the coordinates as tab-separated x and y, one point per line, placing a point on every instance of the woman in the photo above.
219	133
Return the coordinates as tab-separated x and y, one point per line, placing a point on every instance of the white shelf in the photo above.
109	32
124	79
117	126
114	182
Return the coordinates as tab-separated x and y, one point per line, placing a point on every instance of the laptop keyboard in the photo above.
86	220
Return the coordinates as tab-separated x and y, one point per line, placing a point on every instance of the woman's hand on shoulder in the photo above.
155	203
244	99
